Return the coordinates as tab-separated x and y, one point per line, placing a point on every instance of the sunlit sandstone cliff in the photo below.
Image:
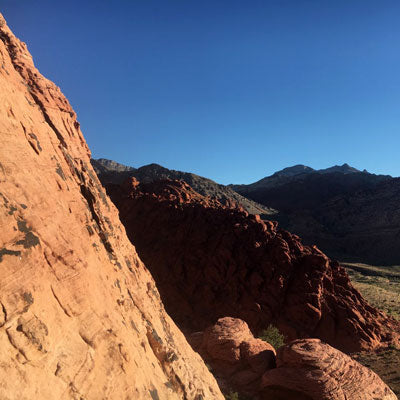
80	316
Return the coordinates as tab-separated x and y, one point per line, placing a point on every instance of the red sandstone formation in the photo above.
308	369
237	359
212	261
80	316
305	369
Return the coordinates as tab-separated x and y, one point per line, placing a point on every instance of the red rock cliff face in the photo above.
212	261
80	316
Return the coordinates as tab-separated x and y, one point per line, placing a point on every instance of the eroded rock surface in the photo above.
235	356
80	316
212	260
308	369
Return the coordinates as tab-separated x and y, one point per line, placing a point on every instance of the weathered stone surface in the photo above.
80	316
212	260
308	369
237	359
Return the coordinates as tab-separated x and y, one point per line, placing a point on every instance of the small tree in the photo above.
273	336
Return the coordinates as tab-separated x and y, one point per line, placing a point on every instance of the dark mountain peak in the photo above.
153	167
295	170
343	169
301	169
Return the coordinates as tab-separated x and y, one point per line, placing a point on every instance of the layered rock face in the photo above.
80	315
308	369
212	261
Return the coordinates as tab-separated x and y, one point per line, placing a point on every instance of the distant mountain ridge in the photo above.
299	172
350	214
304	169
110	171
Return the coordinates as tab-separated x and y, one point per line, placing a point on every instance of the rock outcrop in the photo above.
308	369
80	315
212	261
235	356
305	369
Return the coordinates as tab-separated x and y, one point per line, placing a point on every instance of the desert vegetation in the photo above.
235	396
385	363
380	285
273	336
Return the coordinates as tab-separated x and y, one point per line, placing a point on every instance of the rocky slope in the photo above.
351	215
212	261
80	315
111	172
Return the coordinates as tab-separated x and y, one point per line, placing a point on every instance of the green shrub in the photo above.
273	336
232	396
235	396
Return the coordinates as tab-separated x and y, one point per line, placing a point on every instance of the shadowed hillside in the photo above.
210	260
112	172
351	215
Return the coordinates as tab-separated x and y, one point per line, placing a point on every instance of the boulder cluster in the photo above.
305	369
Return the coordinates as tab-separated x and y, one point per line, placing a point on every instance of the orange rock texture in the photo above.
80	316
212	260
236	357
308	369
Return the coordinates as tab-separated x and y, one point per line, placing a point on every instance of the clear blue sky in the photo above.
231	90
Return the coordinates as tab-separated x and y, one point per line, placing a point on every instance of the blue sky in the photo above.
231	90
